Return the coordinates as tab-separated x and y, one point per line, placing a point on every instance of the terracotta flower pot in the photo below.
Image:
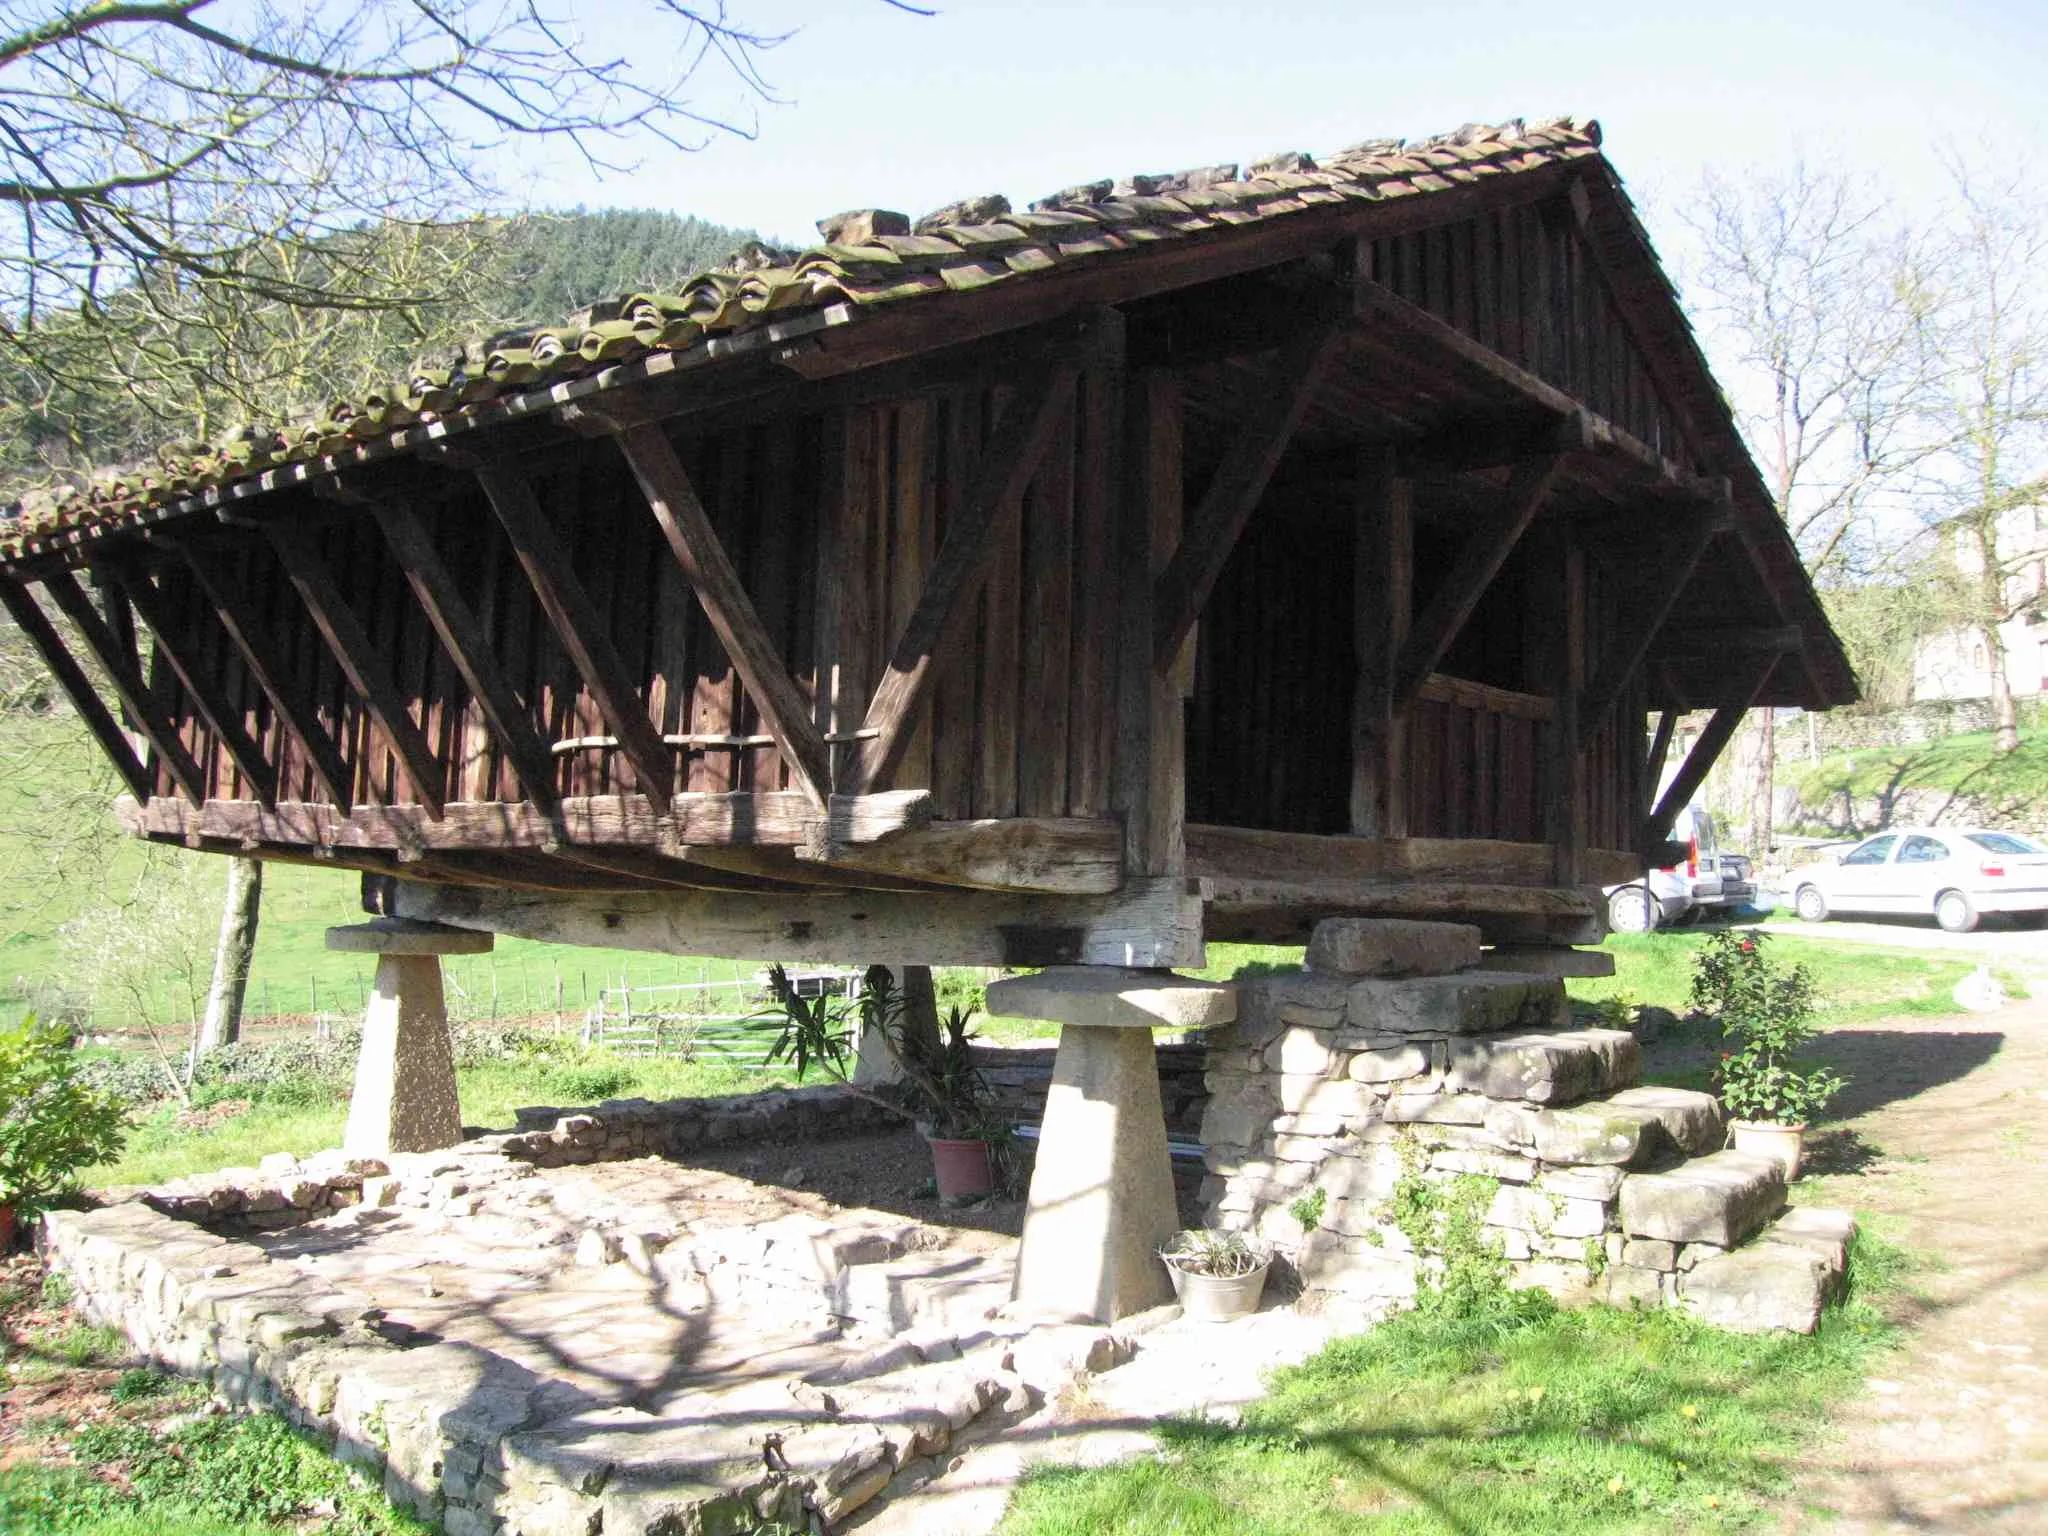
962	1168
1786	1144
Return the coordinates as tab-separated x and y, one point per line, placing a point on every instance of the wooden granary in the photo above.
1196	555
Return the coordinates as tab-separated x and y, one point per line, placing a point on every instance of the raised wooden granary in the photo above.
1192	555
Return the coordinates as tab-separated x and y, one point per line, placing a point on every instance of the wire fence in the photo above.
718	1022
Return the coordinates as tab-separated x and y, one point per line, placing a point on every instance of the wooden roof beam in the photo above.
1712	741
30	619
1477	564
357	656
176	645
295	709
1717	644
125	673
1183	588
468	645
578	624
711	575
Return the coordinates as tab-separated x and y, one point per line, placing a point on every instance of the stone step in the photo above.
1723	1199
1545	1068
1686	1119
1783	1280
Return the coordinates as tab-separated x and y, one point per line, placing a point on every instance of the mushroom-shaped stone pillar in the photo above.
1101	1198
404	1097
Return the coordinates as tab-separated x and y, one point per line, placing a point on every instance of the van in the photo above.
1678	892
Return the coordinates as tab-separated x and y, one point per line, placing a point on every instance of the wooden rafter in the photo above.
295	708
711	575
1693	771
580	627
1718	644
1677	556
123	671
463	637
961	566
30	619
357	656
1660	748
175	643
1476	566
1183	588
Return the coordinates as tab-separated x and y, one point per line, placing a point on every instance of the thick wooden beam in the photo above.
782	818
357	656
124	672
1712	741
1151	924
1565	774
1476	566
30	619
1383	589
1692	644
1644	612
296	711
175	644
1065	856
463	637
1148	786
1660	748
1183	588
710	573
962	565
578	624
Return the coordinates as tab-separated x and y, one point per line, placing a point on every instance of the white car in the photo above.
1680	891
1955	873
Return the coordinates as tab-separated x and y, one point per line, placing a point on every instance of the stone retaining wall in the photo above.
1018	1079
1371	1088
550	1136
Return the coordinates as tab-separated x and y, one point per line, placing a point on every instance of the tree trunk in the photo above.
232	955
1765	793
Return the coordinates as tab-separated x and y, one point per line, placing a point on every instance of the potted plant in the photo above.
1766	1013
937	1088
1217	1275
52	1122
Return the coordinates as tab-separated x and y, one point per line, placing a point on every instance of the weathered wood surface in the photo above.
1152	923
35	625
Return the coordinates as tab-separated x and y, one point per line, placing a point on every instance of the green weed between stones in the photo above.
1496	1424
1446	1220
1308	1209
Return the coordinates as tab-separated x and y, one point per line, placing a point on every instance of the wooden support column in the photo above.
961	567
124	672
176	645
30	619
296	711
1149	788
1383	601
1698	762
360	662
581	627
1566	771
463	637
710	572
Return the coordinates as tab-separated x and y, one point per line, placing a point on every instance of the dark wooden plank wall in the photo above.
1524	282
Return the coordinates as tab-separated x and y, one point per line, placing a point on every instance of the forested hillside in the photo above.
176	360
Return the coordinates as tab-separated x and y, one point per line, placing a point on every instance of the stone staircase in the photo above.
1351	1081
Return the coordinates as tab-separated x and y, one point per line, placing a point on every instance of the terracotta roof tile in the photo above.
868	257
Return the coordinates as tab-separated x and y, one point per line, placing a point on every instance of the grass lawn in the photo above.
1573	1423
1969	765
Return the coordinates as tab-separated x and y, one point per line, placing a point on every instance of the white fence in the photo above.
711	1021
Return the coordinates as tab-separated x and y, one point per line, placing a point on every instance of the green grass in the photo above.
158	1149
1576	1422
1968	765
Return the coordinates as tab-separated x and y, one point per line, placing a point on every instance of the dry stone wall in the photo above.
1338	1089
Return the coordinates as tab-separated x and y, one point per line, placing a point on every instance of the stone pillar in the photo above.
1101	1197
404	1097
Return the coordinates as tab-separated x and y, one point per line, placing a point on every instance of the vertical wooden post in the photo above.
1565	815
1383	608
1150	786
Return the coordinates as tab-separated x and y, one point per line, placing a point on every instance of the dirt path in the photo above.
1950	1147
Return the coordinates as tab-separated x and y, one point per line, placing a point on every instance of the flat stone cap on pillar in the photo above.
408	936
1109	997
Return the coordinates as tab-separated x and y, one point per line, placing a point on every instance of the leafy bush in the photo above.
51	1123
590	1082
1765	1011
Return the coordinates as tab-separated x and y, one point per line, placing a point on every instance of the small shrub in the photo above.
57	1290
1223	1255
1765	1012
591	1082
51	1122
139	1384
1308	1209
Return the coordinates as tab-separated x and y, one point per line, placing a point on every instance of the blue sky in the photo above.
887	109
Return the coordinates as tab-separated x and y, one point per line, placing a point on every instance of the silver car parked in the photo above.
1955	873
